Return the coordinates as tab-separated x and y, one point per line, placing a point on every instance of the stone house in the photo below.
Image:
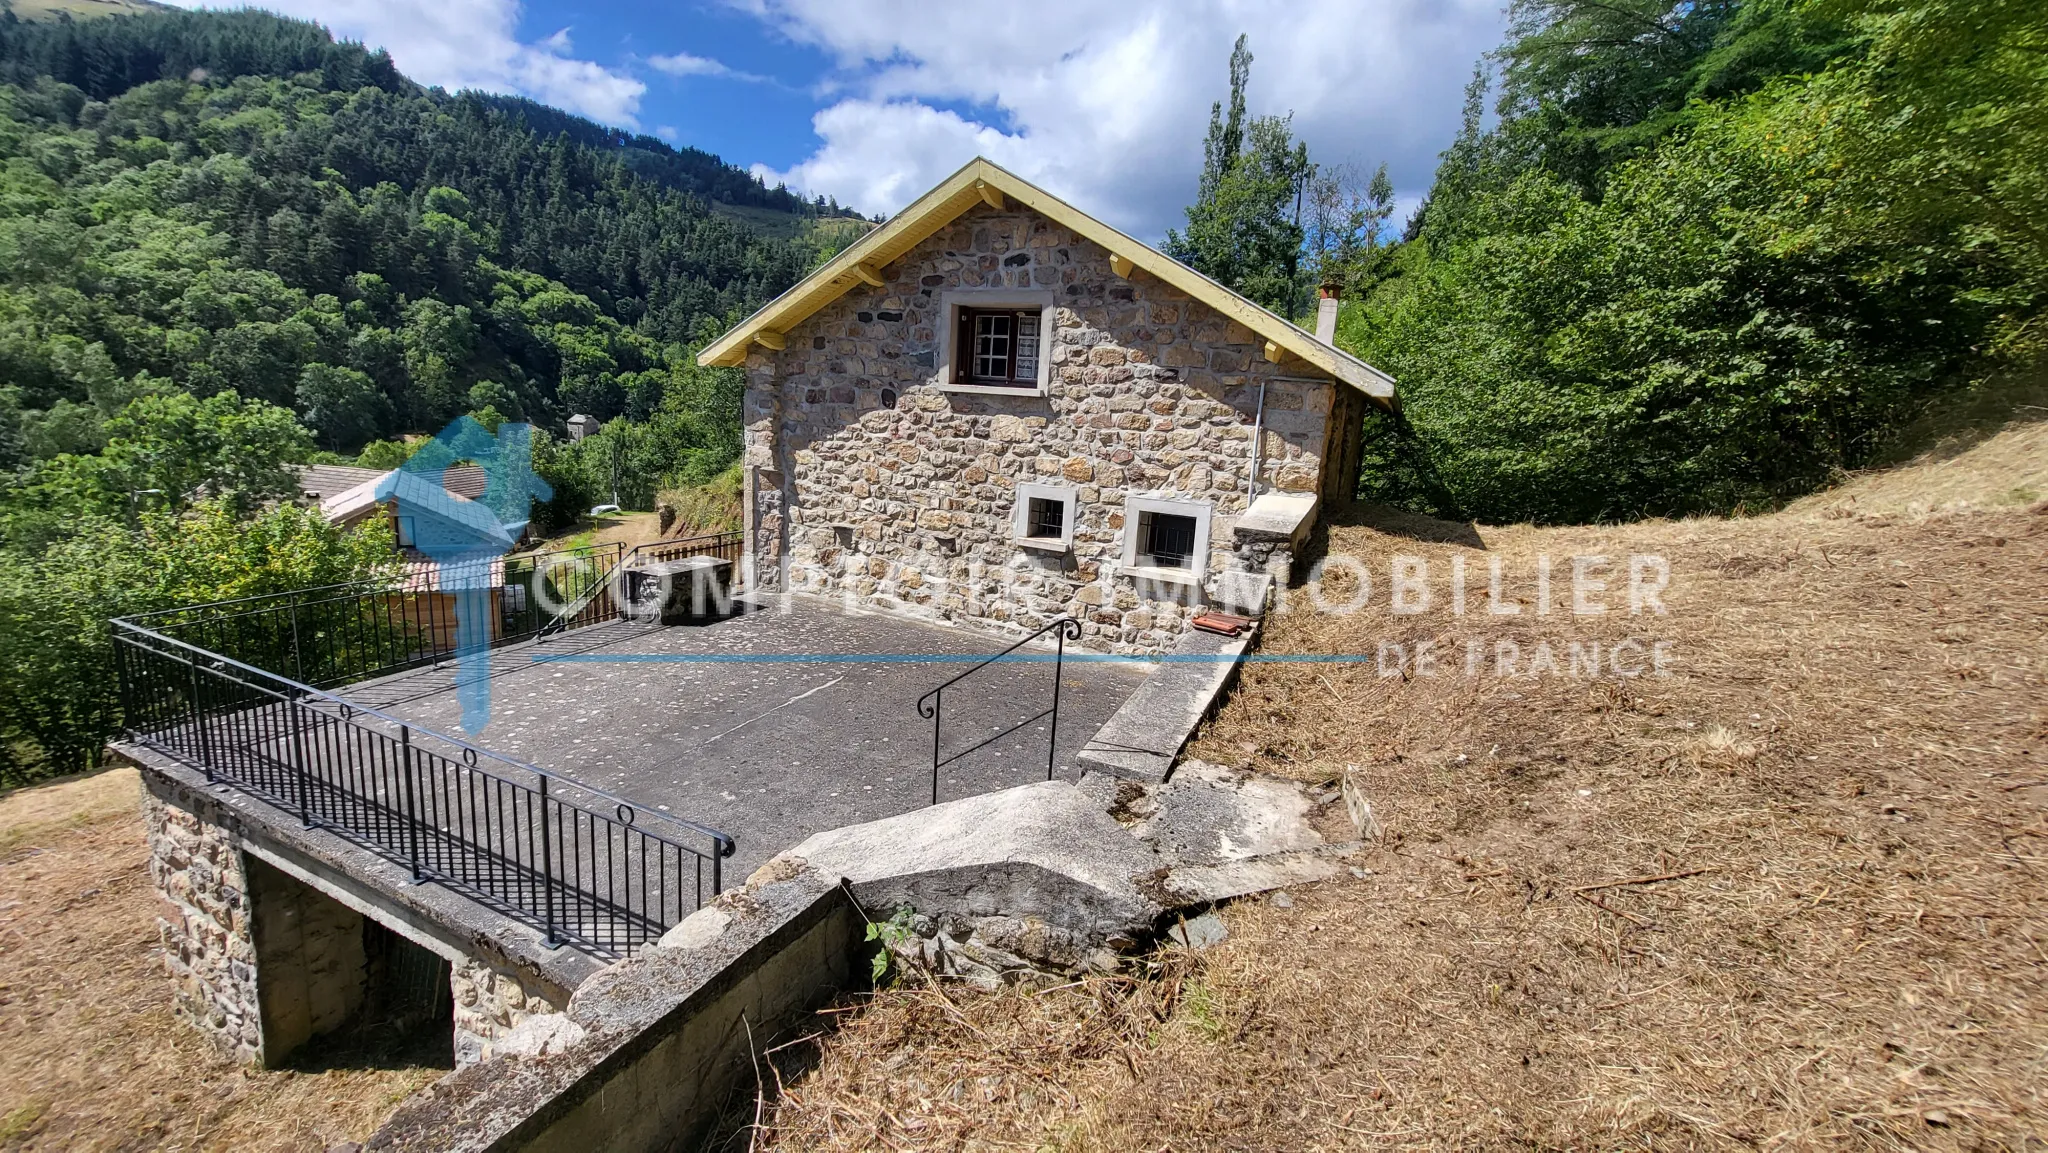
997	409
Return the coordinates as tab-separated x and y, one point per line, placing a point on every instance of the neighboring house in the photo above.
350	496
317	482
996	408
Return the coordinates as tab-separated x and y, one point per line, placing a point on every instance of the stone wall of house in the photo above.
490	1004
871	483
208	941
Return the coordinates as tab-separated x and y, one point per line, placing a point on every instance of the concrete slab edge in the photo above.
1145	737
786	944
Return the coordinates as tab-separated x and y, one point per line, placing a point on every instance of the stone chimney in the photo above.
1326	311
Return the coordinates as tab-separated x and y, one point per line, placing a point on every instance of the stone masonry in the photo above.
206	930
489	1005
264	962
311	972
874	482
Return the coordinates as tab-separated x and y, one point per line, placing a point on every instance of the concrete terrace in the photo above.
771	725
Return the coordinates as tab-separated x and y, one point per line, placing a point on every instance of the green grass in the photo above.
21	1123
82	9
782	225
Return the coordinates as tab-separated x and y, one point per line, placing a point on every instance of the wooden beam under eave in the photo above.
1274	352
773	341
1122	265
869	274
990	195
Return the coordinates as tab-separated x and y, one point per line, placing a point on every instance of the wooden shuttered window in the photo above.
997	346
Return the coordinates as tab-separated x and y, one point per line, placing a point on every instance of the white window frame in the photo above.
1020	520
950	304
1135	506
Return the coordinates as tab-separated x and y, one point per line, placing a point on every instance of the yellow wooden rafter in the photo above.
981	183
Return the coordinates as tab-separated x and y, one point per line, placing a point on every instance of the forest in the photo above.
1683	258
229	243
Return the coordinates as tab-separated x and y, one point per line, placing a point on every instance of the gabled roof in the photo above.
320	481
982	182
419	496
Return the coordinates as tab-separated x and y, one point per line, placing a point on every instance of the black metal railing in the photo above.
513	836
570	859
931	706
581	587
340	634
725	546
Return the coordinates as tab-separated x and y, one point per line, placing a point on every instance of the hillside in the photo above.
1788	895
301	204
82	9
229	242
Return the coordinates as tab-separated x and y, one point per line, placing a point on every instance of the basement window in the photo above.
1165	540
1045	517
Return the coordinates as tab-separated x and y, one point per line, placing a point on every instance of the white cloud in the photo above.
474	44
1107	104
684	64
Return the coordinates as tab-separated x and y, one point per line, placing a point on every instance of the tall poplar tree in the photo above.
1244	228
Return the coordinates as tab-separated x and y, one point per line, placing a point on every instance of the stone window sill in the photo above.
991	389
1176	576
1042	544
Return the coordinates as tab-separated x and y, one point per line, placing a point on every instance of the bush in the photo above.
704	509
58	699
1658	352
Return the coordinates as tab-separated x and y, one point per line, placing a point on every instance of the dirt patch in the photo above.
1792	894
90	1055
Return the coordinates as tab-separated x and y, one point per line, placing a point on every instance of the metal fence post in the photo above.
299	758
1059	660
412	810
199	721
938	707
547	862
298	662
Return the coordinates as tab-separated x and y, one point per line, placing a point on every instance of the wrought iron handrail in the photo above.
716	544
398	578
931	706
454	812
353	708
337	634
599	585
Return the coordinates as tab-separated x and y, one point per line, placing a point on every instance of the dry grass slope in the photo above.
1793	895
90	1056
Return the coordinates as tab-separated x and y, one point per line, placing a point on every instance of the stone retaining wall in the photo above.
873	482
652	1051
489	1005
264	961
206	933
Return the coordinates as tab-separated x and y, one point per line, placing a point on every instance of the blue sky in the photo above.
873	101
